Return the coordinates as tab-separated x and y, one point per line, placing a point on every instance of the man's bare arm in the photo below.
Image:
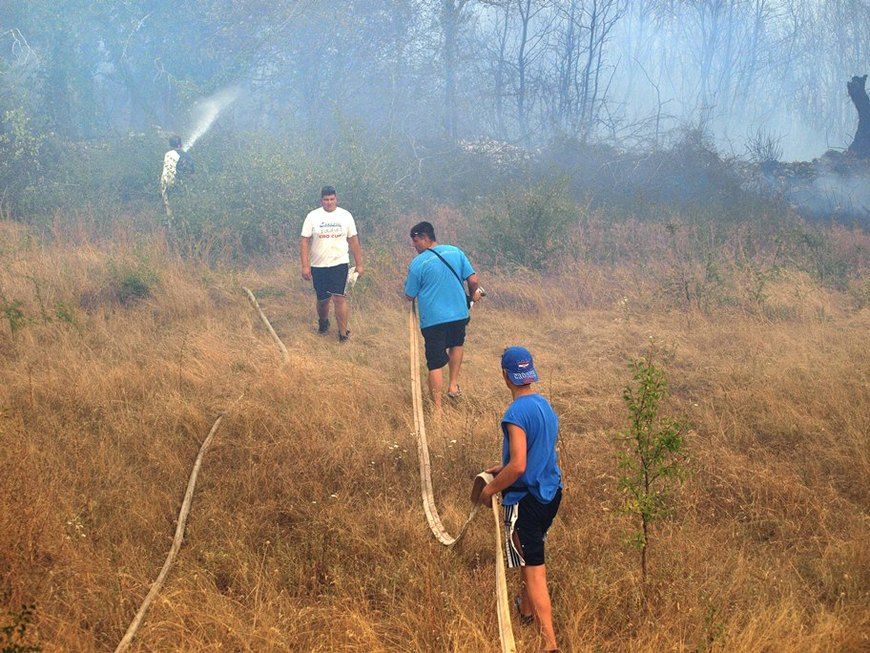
507	475
473	287
304	248
356	250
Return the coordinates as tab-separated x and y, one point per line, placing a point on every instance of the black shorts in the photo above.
525	527
329	281
441	337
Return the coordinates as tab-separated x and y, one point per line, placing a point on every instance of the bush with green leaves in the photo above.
102	178
12	311
257	189
130	282
531	226
652	453
20	149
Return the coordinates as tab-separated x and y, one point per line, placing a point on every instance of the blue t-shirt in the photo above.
440	295
542	478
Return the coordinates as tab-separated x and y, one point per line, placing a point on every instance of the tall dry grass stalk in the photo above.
306	532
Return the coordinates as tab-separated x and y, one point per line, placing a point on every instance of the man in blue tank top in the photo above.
530	481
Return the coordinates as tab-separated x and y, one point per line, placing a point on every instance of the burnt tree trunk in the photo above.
860	146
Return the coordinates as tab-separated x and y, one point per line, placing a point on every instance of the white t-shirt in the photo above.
329	233
170	161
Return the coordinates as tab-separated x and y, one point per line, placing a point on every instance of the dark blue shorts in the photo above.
526	524
329	281
441	337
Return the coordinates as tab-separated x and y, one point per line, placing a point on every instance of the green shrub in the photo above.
12	311
257	190
20	165
465	173
531	227
652	452
104	178
131	282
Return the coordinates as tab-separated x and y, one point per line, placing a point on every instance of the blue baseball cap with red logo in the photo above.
518	363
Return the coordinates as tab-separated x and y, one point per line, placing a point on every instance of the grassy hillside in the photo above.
307	532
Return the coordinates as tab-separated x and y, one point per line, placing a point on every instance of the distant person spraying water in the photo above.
177	165
177	162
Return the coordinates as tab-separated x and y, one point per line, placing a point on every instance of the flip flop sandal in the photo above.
525	619
457	394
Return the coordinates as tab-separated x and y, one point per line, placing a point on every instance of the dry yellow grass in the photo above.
307	533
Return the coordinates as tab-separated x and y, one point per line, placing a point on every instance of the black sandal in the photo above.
525	619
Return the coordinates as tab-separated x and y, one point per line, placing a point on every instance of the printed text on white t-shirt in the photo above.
329	232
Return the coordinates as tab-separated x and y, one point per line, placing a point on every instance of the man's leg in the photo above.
435	338
323	313
453	365
167	221
435	382
323	308
525	603
342	310
537	597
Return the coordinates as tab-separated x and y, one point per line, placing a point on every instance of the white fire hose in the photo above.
481	480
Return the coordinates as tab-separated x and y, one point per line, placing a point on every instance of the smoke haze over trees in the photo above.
524	71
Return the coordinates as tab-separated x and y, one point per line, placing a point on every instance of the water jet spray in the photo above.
207	110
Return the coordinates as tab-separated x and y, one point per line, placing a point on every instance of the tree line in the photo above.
522	71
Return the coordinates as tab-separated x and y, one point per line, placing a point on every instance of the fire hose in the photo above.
432	517
124	644
505	631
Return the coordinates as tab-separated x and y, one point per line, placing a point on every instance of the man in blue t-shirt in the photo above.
530	481
436	279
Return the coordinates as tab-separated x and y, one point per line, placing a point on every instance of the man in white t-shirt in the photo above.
167	175
327	235
170	161
177	165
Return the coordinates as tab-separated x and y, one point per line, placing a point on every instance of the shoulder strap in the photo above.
450	267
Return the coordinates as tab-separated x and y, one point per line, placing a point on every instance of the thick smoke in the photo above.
841	194
833	186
